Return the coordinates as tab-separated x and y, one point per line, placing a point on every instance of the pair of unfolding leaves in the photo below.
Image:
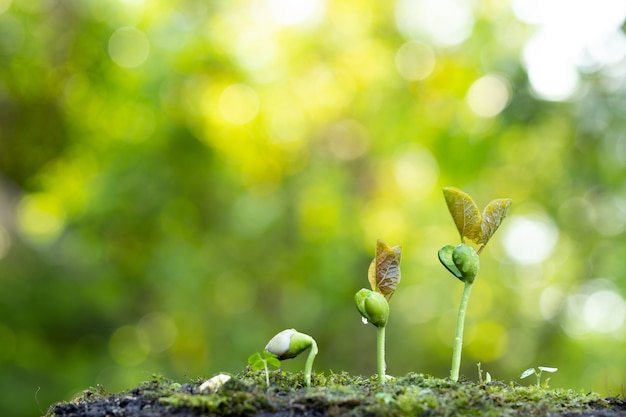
469	221
384	271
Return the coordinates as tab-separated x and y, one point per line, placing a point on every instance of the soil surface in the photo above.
337	395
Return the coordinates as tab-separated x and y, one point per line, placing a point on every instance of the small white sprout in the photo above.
528	372
289	344
280	344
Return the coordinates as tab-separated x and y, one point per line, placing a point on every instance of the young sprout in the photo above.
383	276
537	372
462	261
258	362
289	344
483	379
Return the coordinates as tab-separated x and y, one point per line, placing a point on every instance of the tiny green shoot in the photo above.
289	344
258	362
383	276
528	372
483	379
462	261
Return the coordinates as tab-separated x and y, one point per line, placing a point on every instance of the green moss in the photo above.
342	394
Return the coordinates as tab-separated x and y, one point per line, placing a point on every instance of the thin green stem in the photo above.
308	365
380	351
458	338
267	376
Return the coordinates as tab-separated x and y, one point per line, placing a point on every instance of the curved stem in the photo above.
458	338
308	365
380	351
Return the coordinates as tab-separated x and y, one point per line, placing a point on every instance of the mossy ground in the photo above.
338	394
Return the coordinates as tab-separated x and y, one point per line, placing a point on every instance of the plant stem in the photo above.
458	338
267	376
308	365
380	350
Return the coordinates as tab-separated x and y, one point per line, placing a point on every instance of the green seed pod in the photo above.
466	260
373	307
289	344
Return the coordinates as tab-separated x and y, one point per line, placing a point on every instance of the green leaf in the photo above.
528	372
254	358
445	257
492	217
384	271
273	360
547	369
257	366
464	211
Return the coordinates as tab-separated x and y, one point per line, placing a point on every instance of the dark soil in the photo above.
335	395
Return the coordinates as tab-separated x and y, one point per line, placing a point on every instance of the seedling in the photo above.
483	379
258	362
537	372
383	276
462	261
289	344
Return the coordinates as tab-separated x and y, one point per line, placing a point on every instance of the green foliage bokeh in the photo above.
179	181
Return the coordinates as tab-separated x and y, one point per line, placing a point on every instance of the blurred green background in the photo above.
180	180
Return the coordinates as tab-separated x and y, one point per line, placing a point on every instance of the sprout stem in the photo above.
458	338
267	376
308	365
380	350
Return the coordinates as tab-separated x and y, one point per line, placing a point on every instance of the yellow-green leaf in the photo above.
464	211
384	271
492	217
371	275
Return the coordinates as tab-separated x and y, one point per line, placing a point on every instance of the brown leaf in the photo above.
384	271
492	216
464	212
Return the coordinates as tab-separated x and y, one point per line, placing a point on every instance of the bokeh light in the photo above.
415	61
41	217
560	47
529	239
597	307
4	5
489	95
295	12
238	104
446	23
129	47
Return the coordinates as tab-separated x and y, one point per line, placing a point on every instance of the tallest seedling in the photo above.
462	261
